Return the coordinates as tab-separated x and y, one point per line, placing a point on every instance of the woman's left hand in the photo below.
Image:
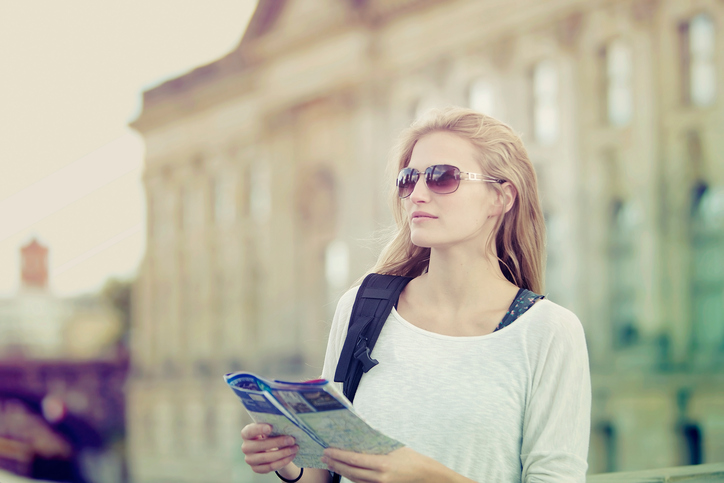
401	466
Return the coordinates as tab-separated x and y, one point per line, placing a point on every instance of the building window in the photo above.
603	436
336	264
707	271
151	209
260	199
228	417
482	97
692	440
192	208
624	279
161	208
698	44
163	421
619	95
555	245
210	429
424	104
545	102
224	199
195	441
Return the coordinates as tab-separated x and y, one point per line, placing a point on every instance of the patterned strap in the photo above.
523	301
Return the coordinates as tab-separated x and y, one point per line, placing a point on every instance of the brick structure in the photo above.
34	263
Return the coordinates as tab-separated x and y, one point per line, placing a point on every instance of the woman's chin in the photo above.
422	241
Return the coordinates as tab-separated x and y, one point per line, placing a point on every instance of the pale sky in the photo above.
71	78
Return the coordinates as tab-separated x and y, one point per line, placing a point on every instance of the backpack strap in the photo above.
373	304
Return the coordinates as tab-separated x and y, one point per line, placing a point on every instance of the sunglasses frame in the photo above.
429	171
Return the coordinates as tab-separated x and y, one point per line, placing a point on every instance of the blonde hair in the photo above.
519	234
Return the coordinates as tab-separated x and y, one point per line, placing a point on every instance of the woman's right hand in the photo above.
263	453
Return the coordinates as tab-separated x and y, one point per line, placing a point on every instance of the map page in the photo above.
262	408
332	418
315	411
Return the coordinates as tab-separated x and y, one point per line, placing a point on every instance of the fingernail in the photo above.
289	441
266	430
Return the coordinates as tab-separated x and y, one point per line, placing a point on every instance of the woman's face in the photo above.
465	217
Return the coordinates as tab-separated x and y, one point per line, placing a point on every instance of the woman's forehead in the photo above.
443	147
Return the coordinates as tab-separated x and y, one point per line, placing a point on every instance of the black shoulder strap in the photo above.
375	299
373	304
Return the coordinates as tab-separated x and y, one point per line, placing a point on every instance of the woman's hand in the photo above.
401	466
265	454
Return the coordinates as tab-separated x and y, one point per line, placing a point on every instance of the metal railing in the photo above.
708	473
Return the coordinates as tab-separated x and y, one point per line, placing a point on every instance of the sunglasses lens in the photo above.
442	178
406	182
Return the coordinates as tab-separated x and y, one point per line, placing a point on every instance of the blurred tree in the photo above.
118	294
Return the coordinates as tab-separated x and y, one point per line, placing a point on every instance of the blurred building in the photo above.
62	375
266	188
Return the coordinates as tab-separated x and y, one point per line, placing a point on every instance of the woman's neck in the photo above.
460	278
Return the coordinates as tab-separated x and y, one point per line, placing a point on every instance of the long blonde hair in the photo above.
519	234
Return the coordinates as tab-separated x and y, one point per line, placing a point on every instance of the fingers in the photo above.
271	460
357	460
349	471
255	430
263	453
267	444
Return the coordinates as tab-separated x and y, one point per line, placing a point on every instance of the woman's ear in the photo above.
504	199
509	195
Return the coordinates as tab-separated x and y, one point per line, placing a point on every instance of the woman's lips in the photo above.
420	216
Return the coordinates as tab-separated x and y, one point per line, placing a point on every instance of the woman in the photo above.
471	397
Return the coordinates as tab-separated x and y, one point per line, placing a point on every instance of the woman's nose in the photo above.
420	193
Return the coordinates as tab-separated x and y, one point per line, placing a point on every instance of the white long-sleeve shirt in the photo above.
510	406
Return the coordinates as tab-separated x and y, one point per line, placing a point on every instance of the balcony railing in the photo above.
689	474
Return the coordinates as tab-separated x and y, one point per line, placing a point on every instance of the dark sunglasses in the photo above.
440	178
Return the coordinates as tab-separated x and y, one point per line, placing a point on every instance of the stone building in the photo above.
265	184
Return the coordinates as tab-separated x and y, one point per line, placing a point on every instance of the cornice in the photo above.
215	82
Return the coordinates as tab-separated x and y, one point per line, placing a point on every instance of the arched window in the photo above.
192	208
707	272
336	271
698	48
336	264
619	92
607	434
224	198
624	277
692	441
161	212
193	413
481	97
424	104
163	422
555	243
545	102
259	193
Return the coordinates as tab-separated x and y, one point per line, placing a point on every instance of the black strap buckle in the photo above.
362	354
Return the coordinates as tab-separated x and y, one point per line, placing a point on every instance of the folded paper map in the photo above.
315	413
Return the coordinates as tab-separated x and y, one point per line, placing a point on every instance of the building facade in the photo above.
265	180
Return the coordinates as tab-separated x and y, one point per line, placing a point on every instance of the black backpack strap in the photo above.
373	304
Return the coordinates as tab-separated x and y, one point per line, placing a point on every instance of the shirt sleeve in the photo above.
337	335
557	420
